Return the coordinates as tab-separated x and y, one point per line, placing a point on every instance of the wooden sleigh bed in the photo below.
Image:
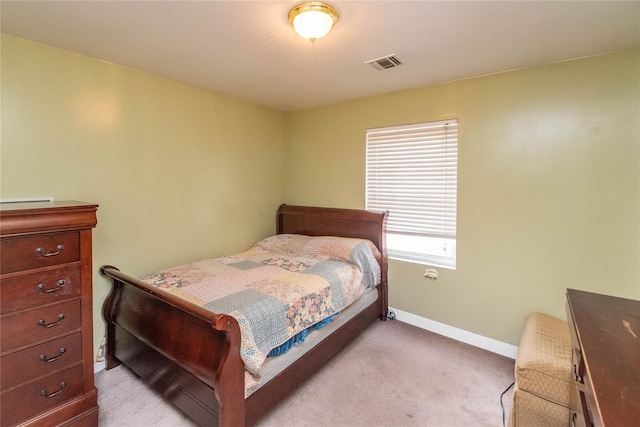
191	355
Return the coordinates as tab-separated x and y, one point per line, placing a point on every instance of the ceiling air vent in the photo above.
385	62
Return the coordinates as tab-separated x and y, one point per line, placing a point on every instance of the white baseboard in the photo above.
99	366
485	343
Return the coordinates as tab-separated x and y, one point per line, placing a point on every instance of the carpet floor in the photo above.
393	374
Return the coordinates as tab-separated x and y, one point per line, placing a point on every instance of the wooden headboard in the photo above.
312	221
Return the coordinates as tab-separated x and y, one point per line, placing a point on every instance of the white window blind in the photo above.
412	171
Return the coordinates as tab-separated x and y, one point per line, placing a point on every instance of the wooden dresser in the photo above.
605	335
46	316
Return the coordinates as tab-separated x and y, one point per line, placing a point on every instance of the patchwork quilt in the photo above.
281	286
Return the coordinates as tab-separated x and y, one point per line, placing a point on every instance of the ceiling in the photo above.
247	49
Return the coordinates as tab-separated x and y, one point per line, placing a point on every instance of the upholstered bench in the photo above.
545	394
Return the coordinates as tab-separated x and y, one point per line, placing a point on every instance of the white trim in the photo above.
99	366
485	343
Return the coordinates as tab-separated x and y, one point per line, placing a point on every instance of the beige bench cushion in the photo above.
532	411
543	365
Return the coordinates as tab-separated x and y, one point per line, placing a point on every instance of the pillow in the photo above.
360	252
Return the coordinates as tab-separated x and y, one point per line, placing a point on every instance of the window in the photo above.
412	171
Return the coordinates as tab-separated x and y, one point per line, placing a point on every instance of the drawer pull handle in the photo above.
42	323
576	376
59	286
40	251
48	395
43	357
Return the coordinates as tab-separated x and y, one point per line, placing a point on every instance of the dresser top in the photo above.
21	206
30	217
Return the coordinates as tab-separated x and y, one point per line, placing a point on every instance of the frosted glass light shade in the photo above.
313	20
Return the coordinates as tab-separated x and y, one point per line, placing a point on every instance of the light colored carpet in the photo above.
393	374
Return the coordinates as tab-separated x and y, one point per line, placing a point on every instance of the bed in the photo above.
192	355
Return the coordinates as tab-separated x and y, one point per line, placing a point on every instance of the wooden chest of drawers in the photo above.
605	335
46	315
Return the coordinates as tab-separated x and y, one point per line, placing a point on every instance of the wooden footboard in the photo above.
192	356
146	328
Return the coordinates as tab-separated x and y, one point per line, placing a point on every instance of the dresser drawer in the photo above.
30	326
42	250
37	361
41	395
32	290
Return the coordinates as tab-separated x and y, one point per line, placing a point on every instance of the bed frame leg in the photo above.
230	382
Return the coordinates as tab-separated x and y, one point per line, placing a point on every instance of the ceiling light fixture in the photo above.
313	19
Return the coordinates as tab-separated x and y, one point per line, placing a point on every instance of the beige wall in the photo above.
548	186
180	173
549	173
